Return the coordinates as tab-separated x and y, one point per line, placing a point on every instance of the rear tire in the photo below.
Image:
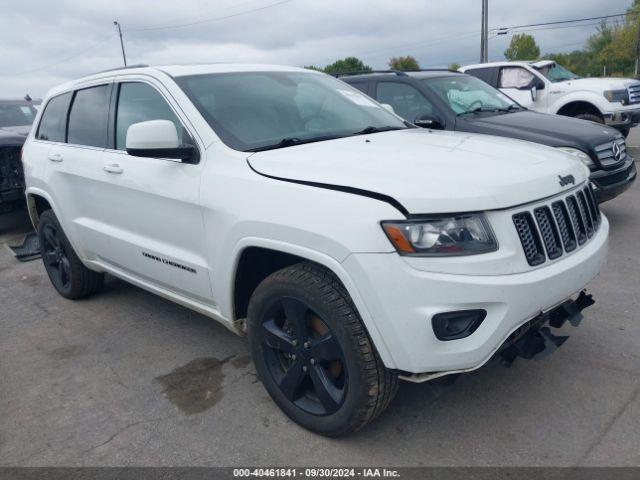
67	273
591	117
291	313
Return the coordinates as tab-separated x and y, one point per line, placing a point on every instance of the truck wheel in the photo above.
313	354
67	273
590	116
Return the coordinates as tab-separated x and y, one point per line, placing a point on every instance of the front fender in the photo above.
227	272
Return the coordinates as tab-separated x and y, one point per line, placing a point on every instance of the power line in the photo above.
65	59
207	20
562	21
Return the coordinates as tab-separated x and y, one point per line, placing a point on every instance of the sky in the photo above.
47	42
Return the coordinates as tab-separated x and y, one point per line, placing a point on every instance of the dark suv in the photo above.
448	100
16	117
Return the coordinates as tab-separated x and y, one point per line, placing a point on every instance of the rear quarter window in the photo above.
54	119
89	117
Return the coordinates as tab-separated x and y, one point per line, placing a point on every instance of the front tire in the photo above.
67	273
313	354
591	117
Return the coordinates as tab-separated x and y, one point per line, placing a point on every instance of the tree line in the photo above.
611	50
355	65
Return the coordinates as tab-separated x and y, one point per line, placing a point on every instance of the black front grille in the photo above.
529	238
549	232
576	219
558	228
565	225
593	205
584	211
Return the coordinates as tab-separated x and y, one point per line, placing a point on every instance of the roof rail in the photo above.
400	73
434	70
137	65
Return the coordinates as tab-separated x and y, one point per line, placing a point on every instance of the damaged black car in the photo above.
16	117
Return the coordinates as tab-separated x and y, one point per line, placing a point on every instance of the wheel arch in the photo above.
574	107
270	256
37	202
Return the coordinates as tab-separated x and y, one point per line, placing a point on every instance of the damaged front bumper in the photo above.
532	340
535	339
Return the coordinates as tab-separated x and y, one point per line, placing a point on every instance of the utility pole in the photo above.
484	38
637	45
124	57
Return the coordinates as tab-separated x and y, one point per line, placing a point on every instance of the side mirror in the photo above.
388	107
534	93
539	84
157	139
429	120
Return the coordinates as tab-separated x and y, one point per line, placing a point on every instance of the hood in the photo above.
10	137
547	129
429	172
598	84
20	129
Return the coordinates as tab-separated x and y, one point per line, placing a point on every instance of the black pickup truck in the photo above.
448	100
16	117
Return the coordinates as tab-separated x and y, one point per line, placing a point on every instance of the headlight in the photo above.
579	154
446	235
617	96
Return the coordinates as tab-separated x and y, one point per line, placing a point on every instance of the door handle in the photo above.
55	157
113	168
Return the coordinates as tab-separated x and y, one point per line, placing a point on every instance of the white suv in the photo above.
353	248
545	86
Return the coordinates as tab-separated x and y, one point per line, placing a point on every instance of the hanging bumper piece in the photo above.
536	340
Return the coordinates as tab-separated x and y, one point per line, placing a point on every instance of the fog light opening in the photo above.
458	324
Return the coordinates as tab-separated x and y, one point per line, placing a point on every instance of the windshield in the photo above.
467	94
13	115
557	73
260	110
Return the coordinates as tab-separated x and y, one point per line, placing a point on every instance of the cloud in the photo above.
44	42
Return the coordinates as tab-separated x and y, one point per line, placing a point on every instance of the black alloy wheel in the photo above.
55	258
312	351
303	356
66	271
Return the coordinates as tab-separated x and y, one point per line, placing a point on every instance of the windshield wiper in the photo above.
479	110
291	141
509	109
372	129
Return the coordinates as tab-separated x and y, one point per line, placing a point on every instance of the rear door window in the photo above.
54	119
89	117
485	74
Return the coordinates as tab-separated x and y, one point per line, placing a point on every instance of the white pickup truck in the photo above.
545	86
